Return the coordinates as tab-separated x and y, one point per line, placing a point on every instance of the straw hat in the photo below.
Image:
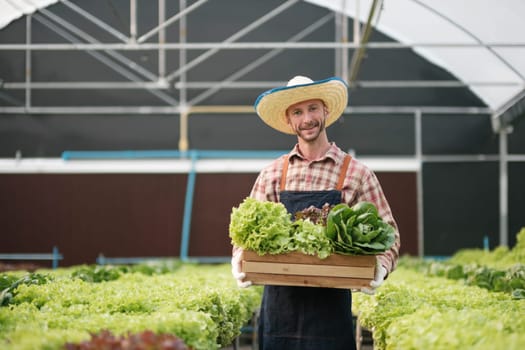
271	105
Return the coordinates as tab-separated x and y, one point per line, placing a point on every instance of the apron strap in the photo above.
342	174
340	182
283	175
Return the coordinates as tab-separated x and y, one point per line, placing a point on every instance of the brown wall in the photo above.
128	215
88	214
401	192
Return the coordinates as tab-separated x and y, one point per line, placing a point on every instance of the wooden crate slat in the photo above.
297	269
307	281
308	269
295	257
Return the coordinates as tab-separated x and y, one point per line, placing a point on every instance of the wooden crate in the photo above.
297	269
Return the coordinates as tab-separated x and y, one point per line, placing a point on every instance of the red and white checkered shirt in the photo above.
360	184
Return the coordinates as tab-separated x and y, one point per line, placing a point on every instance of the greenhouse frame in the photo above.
119	109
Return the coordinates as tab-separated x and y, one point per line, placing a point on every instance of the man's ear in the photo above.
325	109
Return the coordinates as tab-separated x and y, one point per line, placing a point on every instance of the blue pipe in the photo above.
213	154
56	257
218	154
436	257
188	203
72	155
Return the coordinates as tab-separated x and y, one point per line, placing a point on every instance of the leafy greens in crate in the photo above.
267	228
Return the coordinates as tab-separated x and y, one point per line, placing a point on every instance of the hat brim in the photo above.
271	105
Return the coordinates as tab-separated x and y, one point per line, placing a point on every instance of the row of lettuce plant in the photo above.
200	304
499	270
420	308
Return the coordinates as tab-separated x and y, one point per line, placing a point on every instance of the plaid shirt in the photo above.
360	184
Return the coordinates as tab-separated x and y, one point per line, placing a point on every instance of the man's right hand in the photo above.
236	268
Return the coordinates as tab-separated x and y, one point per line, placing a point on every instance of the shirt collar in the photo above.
333	153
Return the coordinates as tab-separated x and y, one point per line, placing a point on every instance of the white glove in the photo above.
236	269
378	280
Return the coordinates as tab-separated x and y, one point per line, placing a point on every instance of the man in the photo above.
315	172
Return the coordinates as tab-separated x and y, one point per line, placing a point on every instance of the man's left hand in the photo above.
378	280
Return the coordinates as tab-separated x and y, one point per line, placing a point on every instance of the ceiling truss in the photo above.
157	83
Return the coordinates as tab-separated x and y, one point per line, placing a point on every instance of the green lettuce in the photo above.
264	227
358	229
310	238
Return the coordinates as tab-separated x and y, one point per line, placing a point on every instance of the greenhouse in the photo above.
130	137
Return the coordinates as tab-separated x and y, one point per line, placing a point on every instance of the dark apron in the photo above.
307	318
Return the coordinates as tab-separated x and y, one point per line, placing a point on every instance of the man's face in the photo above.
307	118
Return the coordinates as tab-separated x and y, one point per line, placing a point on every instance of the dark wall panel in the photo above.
461	206
458	134
366	134
516	200
375	134
236	132
49	136
516	138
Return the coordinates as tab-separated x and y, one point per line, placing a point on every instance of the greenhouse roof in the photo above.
480	42
12	9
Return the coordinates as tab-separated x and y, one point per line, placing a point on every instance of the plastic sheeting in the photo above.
13	9
481	42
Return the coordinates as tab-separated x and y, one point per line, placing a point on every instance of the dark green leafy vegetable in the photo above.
9	285
510	280
358	229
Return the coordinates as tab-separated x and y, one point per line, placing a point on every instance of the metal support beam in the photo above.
183	137
133	21
105	60
183	97
503	189
229	81
28	66
323	45
252	26
341	36
357	25
360	52
130	64
162	40
344	40
418	130
183	12
508	114
95	20
78	110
